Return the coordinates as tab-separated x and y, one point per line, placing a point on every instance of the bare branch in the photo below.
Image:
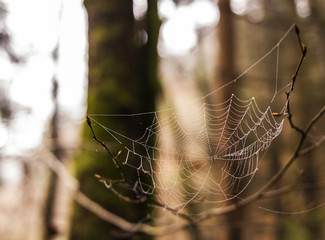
103	214
314	120
293	81
312	147
264	192
60	170
107	150
126	180
290	188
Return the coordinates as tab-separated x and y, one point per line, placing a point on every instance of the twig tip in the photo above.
304	48
118	154
297	29
88	120
97	176
277	114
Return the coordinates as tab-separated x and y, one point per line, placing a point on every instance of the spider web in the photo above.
203	155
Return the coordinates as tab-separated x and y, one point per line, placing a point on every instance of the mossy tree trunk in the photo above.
226	72
122	79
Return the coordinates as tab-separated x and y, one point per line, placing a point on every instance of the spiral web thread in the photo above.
206	155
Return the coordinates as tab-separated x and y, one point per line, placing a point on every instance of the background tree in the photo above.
122	78
225	73
275	15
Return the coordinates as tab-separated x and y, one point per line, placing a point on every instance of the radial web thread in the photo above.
206	155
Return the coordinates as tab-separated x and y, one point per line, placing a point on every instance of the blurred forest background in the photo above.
62	59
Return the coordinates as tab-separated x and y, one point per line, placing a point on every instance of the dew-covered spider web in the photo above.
200	153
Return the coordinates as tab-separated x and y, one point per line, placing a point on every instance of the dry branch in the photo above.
265	192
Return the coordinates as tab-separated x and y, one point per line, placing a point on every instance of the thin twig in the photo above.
117	164
290	188
293	80
264	192
314	120
126	180
72	183
303	49
312	147
105	215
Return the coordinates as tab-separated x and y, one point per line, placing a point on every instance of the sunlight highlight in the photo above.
179	32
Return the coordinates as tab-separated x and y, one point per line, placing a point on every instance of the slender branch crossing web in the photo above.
206	155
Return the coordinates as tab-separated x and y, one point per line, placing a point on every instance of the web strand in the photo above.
234	159
208	155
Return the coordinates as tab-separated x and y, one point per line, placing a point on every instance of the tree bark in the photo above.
226	70
122	79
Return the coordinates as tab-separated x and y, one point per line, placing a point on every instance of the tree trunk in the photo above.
58	213
122	79
226	68
226	71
